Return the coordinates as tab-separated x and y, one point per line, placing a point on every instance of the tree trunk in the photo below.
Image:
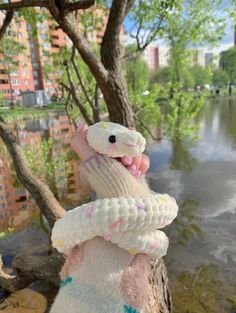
116	98
110	83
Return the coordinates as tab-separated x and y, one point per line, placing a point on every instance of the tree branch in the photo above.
147	129
44	198
110	48
75	96
79	5
6	22
70	26
94	108
80	79
96	111
24	4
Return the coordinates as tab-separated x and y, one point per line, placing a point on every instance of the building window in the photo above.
20	191
4	81
55	45
35	73
15	82
44	36
45	45
3	71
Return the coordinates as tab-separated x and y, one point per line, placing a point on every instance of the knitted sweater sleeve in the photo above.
109	178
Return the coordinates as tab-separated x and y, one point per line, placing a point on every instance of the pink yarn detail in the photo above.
89	212
154	245
73	261
134	282
116	224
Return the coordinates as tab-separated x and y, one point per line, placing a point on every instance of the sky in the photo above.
227	39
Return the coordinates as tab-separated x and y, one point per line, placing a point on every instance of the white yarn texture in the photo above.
126	142
130	222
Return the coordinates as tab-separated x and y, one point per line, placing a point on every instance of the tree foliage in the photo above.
220	77
228	63
180	119
201	75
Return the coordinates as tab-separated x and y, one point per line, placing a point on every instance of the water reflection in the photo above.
203	291
45	142
187	224
182	158
202	254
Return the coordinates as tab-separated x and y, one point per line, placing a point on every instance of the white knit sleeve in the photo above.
105	217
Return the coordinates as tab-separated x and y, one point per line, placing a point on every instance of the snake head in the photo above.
115	140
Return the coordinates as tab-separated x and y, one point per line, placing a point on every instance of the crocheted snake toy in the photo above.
129	217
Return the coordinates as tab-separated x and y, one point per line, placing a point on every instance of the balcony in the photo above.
4	81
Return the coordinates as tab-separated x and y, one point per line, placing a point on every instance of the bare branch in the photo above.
96	111
80	79
71	121
110	48
43	197
70	26
147	129
24	4
6	22
75	96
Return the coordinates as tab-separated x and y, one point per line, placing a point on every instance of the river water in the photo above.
201	176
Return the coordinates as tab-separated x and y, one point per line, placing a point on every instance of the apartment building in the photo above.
40	44
156	56
28	74
21	78
48	40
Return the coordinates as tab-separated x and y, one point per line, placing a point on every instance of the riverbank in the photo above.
19	113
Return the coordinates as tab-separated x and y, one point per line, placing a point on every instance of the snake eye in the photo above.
112	139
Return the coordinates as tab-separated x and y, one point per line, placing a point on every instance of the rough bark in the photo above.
160	297
116	96
43	197
23	4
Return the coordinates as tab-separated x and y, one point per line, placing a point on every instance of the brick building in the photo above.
47	39
29	72
21	79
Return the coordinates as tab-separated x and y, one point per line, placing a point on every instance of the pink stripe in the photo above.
154	245
116	224
89	212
